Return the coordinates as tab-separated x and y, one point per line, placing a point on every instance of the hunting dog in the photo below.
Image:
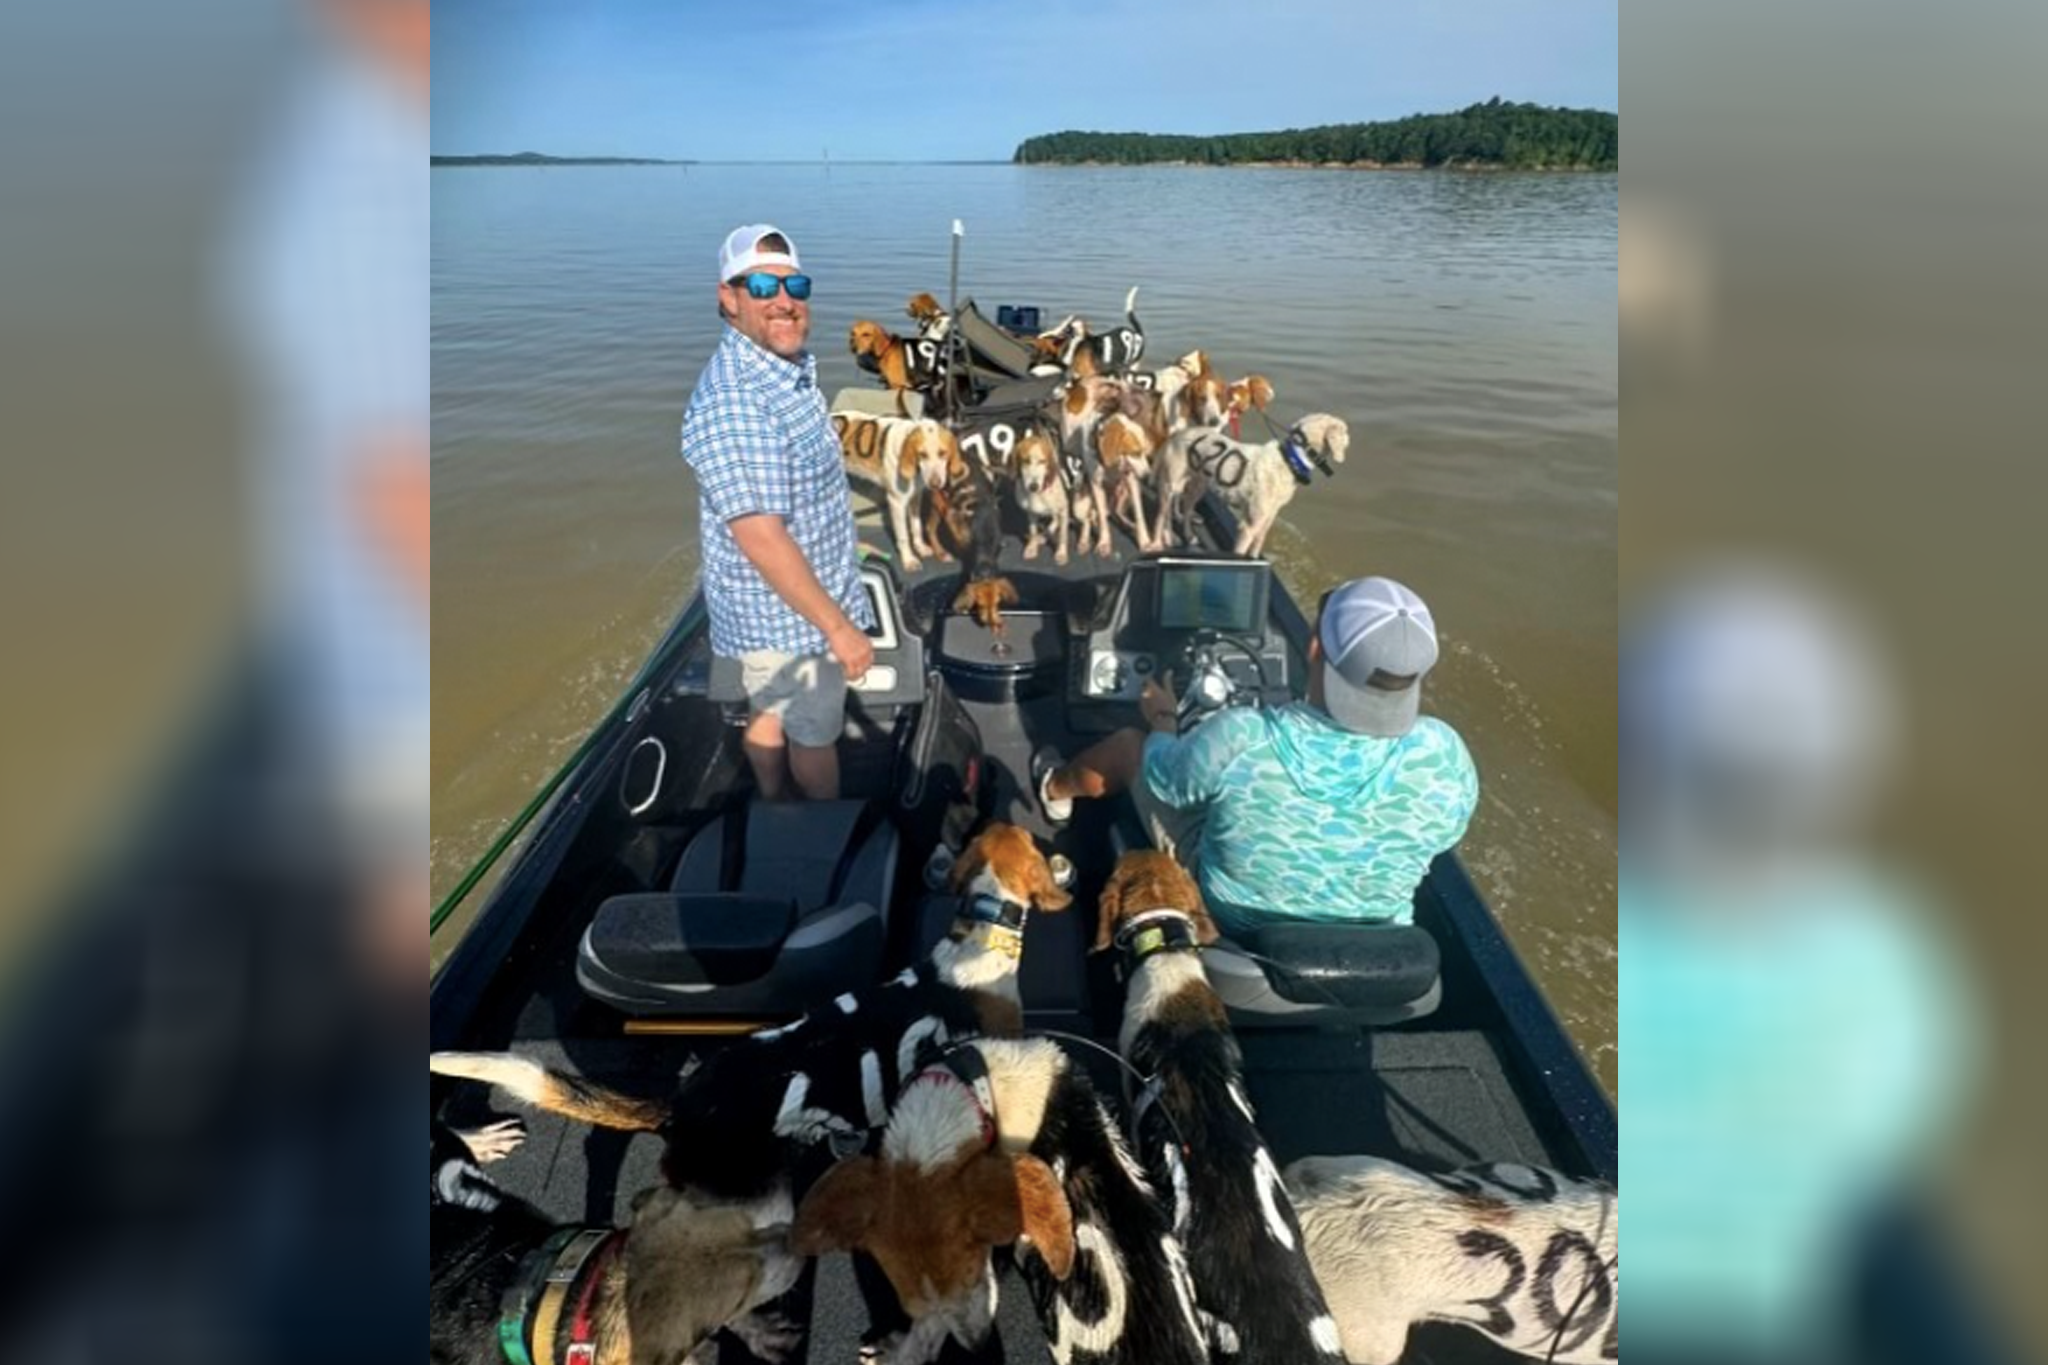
1255	481
983	599
902	362
645	1294
1193	1127
898	457
1006	1141
961	513
932	320
1527	1256
1083	405
1073	346
1041	494
745	1131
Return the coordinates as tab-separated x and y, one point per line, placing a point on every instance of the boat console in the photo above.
1187	617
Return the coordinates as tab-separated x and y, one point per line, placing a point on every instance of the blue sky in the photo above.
949	79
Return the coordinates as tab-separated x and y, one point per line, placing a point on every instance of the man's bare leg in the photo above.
767	755
816	768
1105	768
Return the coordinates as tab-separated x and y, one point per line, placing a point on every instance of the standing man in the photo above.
781	567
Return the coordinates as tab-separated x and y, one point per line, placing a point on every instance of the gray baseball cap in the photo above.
1378	641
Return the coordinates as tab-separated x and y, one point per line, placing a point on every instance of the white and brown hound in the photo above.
898	457
1074	346
1041	492
1527	1256
1193	1127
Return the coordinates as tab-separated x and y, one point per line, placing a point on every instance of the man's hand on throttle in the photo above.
854	650
1158	707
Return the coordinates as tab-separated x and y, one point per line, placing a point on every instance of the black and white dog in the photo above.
1193	1125
1109	352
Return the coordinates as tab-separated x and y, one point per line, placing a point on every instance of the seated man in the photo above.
1330	809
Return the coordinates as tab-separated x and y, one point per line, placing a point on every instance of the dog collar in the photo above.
964	1067
1004	919
531	1309
1162	930
1303	459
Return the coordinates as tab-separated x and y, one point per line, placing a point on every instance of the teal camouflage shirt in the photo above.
1304	820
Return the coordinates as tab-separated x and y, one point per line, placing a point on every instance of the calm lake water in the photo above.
1463	324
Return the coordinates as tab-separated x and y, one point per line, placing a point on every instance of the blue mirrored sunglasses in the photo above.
764	286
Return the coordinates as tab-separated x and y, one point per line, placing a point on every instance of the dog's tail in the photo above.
546	1090
1131	310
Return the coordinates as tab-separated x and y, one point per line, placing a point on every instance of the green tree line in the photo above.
1497	133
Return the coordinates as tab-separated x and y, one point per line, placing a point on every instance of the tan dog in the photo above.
924	310
896	456
903	363
983	599
1041	495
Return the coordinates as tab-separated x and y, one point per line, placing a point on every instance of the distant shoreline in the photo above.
536	159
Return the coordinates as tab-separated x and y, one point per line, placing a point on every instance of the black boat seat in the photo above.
773	907
1317	974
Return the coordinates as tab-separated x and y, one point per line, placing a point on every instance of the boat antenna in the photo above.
955	368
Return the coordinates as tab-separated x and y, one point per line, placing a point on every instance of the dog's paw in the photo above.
1058	556
770	1336
911	563
1031	550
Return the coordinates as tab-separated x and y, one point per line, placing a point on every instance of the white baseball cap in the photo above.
1375	633
742	251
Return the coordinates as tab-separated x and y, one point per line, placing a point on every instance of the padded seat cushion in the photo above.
720	938
1356	966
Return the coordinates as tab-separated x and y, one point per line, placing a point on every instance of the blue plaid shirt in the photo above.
757	435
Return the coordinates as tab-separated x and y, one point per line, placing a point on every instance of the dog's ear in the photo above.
1109	911
1047	1217
956	467
906	459
840	1209
1006	592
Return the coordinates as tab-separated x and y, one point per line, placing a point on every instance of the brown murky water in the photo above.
1463	324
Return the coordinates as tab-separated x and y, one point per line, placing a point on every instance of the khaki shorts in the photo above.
806	692
1174	831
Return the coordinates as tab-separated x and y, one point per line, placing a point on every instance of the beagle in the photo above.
1006	1141
1193	1126
1082	407
932	320
1074	347
1527	1256
894	455
1255	481
903	363
1041	494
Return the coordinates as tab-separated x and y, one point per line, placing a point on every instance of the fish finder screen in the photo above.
1212	597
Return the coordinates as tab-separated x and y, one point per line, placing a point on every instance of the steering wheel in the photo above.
1204	686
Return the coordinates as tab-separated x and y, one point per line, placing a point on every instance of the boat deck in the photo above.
1434	1093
